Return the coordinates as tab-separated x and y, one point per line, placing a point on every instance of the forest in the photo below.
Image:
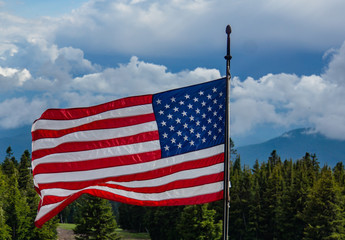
274	199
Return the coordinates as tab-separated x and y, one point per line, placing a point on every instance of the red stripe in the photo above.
85	146
185	183
103	194
100	124
75	113
156	173
61	167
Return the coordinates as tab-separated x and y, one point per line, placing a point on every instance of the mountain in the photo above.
19	139
294	144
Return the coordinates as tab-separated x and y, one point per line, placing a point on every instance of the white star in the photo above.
209	133
191	130
158	101
197	111
215	101
175	109
191	143
161	112
187	96
203	140
195	99
221	94
178	120
179	133
190	106
179	145
185	125
203	115
172	128
165	135
215	113
185	138
191	118
214	89
173	99
209	109
209	120
220	106
167	106
203	103
214	137
184	113
197	123
215	125
220	118
197	135
166	148
201	93
173	140
209	96
219	130
181	102
170	116
203	128
163	123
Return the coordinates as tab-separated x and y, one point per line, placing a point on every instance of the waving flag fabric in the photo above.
163	149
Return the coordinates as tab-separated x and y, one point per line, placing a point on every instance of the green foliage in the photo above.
19	201
197	222
95	220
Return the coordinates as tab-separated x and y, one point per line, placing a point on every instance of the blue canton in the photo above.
191	118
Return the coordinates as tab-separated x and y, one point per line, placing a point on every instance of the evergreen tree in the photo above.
5	230
162	222
197	223
95	220
323	213
132	217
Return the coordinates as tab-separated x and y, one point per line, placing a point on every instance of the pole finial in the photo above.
228	29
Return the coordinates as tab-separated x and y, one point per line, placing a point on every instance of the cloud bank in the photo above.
43	67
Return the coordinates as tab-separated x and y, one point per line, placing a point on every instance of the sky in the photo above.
288	65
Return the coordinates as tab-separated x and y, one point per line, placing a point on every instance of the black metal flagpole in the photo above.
226	198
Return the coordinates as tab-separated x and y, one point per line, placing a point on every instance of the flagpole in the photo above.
226	197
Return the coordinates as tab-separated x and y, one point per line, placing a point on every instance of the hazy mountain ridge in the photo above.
294	144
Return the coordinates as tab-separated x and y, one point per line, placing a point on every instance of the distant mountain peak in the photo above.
293	145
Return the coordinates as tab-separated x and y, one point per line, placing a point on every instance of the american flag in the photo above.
163	149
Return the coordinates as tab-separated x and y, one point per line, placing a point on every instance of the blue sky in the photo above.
288	63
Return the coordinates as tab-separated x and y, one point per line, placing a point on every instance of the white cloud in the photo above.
139	77
11	78
16	112
178	27
285	100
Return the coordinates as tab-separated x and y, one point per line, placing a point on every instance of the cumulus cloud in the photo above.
165	28
285	100
16	112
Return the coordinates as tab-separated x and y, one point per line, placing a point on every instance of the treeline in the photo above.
19	202
274	199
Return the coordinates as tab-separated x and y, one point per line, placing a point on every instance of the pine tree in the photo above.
162	222
197	223
5	230
323	214
95	220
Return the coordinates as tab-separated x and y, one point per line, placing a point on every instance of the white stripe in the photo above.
168	195
127	169
98	153
183	175
64	124
94	135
